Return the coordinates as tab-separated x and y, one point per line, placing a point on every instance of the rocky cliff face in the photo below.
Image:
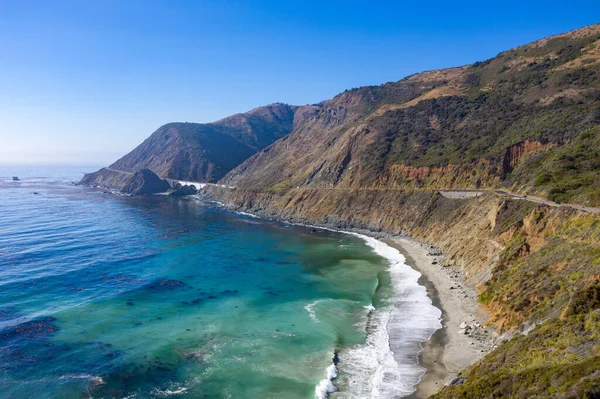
107	178
206	152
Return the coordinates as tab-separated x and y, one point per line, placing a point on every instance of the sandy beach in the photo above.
463	339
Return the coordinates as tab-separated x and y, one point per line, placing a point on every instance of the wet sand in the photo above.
449	350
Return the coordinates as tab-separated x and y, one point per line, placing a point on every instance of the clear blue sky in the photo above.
85	81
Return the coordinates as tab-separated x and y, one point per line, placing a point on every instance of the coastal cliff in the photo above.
535	267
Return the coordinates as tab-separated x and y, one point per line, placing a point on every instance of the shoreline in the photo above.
462	340
450	349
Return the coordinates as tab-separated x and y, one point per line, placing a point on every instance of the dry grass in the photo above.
590	55
454	89
574	34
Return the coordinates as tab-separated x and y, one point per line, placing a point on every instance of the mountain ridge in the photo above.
474	126
205	152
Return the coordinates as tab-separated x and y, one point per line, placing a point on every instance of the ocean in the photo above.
108	296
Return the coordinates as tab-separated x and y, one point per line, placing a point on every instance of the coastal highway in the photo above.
462	194
454	194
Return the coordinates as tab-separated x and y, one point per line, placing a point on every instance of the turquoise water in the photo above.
145	297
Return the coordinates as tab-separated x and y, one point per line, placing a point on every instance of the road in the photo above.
458	194
118	171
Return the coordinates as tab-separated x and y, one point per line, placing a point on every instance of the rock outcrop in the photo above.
145	181
180	191
107	178
141	182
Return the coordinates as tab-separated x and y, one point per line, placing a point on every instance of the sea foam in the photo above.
387	365
325	387
310	308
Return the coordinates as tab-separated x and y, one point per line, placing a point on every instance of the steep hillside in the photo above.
206	152
526	120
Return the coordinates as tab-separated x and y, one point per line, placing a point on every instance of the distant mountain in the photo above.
205	152
526	120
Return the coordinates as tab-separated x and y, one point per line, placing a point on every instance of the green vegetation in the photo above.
520	95
559	359
280	187
570	173
537	275
555	285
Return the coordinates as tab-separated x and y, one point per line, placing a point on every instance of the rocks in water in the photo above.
15	178
145	181
31	329
9	314
121	279
181	191
166	284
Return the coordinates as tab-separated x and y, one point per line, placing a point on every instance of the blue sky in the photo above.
85	81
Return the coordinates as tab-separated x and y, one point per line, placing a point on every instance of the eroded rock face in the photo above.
515	154
145	181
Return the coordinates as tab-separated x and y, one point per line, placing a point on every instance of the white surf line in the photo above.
248	214
326	387
310	309
387	365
